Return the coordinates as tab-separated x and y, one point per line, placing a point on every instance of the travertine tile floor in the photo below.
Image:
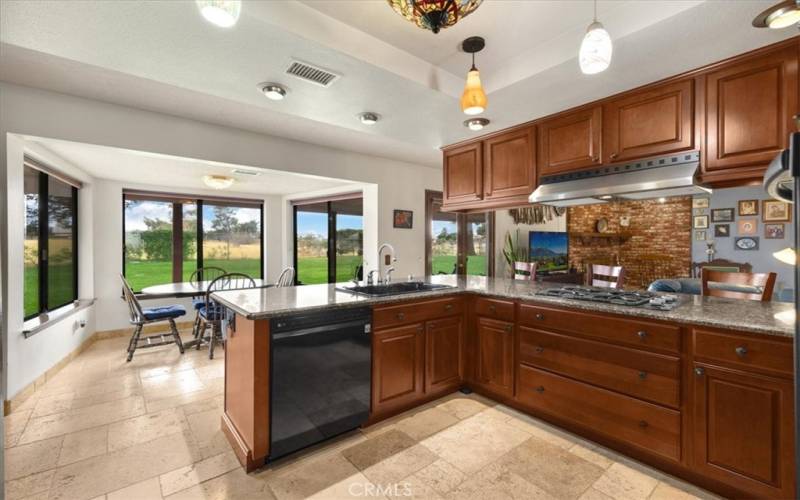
149	429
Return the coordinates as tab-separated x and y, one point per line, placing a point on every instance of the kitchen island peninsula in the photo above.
702	390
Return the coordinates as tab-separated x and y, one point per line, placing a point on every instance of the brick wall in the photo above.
656	230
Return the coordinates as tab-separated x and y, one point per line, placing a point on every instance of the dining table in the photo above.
183	289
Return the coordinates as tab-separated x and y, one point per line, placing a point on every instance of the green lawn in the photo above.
476	264
314	270
60	288
141	274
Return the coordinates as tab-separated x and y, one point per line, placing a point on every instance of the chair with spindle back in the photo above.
749	286
198	278
525	271
140	317
286	278
605	276
212	313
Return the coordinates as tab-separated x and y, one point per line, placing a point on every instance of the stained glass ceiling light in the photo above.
434	14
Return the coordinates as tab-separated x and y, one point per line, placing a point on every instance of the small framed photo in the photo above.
774	231
746	243
700	222
747	226
748	207
699	211
403	219
722	215
700	202
776	211
699	236
722	230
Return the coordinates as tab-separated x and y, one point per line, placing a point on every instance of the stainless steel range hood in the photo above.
638	180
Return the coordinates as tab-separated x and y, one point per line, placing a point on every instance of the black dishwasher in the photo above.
321	368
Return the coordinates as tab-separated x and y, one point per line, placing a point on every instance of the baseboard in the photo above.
240	449
9	405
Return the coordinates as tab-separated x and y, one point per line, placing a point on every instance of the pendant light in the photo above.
473	100
595	54
223	13
780	15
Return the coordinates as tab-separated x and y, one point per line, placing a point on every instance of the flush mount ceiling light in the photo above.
223	13
369	118
596	48
434	14
473	100
476	124
218	181
273	91
780	15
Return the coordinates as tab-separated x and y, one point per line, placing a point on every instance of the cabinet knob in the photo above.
539	349
401	316
642	375
509	328
432	325
448	307
699	371
643	423
613	156
539	316
595	159
642	334
492	308
540	389
420	329
741	351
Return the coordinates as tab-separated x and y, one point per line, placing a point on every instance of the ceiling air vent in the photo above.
242	171
313	74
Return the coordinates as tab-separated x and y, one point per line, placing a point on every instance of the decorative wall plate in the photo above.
746	243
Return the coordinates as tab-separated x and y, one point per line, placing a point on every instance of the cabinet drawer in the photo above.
414	312
495	309
632	332
653	428
654	377
744	352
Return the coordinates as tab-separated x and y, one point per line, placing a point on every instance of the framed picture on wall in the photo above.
748	207
722	215
403	219
700	202
700	222
776	211
774	231
700	236
722	230
747	226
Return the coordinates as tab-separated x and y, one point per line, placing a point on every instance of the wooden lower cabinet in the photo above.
495	359
443	354
398	366
743	433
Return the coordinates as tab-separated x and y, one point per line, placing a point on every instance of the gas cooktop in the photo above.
612	296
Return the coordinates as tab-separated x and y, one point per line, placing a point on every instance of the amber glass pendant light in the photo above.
473	100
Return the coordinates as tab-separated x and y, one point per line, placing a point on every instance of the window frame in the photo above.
46	173
178	201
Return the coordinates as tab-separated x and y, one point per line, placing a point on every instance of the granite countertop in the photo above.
733	314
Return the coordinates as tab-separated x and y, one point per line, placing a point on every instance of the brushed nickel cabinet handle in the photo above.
741	351
699	371
642	375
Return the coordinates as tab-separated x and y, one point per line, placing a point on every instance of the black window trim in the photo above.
178	200
45	172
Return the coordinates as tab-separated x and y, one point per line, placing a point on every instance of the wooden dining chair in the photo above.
605	276
139	317
199	276
286	278
525	271
212	313
760	285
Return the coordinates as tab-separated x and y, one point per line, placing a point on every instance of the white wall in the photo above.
504	223
27	359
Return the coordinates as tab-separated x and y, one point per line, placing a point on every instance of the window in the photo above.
325	228
51	240
168	237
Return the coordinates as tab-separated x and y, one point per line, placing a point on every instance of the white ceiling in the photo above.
163	56
172	172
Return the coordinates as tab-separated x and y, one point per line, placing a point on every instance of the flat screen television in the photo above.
549	250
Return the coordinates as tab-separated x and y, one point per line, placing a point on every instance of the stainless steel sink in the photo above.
392	288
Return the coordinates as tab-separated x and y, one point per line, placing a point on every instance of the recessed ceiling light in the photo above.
223	13
273	91
476	124
780	15
218	181
369	118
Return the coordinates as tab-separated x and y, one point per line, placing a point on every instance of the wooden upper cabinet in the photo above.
463	174
743	430
570	141
650	122
749	106
509	165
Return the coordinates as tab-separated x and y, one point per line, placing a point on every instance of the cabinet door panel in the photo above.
496	356
648	123
570	142
398	363
509	166
749	107
443	359
463	174
743	430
